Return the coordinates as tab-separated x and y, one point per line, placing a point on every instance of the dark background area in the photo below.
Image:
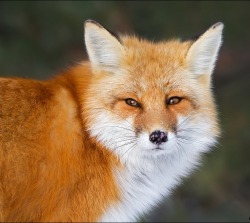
40	38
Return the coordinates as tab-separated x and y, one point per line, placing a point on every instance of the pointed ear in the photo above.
104	49
202	54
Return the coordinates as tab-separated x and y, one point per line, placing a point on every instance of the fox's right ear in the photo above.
104	49
202	54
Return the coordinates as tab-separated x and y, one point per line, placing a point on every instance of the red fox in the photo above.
107	139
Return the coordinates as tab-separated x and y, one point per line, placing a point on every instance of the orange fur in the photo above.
51	169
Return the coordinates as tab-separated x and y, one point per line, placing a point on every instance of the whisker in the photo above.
183	150
113	126
186	139
125	144
179	151
121	141
184	121
130	149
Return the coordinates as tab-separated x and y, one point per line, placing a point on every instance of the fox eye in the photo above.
173	100
132	102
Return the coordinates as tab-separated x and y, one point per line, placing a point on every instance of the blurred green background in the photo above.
40	38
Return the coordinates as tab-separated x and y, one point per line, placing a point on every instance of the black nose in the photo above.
158	137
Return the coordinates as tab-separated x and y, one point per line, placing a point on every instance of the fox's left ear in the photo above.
104	49
202	54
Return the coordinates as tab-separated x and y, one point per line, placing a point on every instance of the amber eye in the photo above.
132	102
173	100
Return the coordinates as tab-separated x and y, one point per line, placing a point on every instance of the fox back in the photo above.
107	139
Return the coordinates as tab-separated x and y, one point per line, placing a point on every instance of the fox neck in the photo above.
145	183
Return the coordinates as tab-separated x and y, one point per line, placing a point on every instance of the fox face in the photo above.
152	99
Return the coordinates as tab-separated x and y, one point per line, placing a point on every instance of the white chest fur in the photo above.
143	186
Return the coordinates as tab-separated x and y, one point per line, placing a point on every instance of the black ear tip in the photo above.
218	24
91	21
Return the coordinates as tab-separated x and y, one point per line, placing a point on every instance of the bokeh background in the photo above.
40	38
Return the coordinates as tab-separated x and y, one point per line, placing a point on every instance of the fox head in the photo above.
151	99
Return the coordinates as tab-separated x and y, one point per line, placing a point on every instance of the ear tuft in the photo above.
104	49
203	53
